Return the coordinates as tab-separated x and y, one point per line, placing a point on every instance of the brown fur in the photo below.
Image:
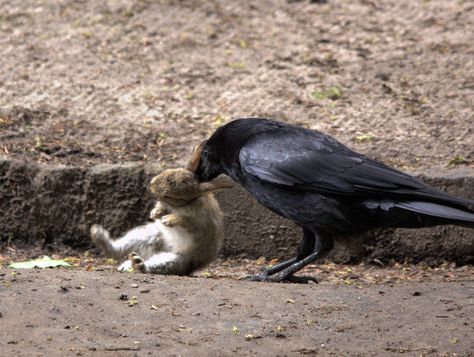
186	235
193	163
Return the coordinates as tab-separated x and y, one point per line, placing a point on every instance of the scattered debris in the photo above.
458	160
133	301
43	263
250	337
362	138
332	93
279	329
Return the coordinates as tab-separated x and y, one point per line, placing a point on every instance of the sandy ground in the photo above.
87	82
106	313
136	80
361	310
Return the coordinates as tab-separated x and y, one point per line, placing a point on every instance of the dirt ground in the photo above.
358	310
87	82
90	82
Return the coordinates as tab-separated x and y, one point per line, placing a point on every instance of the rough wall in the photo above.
56	205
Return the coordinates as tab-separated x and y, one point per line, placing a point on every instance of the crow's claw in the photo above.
280	278
300	279
256	277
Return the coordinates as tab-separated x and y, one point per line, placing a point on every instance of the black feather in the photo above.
322	185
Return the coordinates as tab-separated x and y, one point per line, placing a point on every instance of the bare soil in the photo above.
92	310
89	82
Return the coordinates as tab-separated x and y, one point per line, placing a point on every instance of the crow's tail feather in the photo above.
446	213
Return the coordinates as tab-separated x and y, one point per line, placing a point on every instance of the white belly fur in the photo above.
177	239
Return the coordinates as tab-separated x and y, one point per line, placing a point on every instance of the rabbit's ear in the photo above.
216	184
193	163
152	186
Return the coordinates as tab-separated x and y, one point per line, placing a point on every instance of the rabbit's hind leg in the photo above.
125	266
137	263
167	263
101	238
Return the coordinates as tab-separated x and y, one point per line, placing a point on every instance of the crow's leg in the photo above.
269	271
307	245
279	267
321	248
305	248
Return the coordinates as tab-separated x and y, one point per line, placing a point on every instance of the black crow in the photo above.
321	185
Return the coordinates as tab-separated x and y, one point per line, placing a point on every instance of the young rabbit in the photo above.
185	236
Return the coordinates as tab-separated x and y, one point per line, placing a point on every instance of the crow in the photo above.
320	184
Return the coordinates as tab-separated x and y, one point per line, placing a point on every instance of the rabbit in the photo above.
186	234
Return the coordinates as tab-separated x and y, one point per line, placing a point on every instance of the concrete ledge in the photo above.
56	205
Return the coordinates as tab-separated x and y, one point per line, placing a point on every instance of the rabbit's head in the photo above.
181	186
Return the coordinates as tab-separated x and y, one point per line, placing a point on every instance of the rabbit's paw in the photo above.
99	233
157	213
125	266
170	220
137	263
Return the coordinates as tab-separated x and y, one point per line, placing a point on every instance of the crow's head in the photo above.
205	162
220	153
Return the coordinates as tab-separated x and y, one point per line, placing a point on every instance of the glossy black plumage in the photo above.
321	185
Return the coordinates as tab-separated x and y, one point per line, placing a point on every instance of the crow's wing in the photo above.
301	159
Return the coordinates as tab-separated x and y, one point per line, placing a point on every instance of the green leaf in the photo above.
45	262
458	160
318	95
365	138
243	43
330	93
334	93
236	65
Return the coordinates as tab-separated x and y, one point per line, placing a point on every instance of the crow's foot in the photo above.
280	278
300	279
256	277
